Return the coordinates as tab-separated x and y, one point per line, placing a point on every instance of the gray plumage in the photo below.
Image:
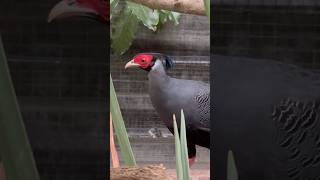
268	114
170	95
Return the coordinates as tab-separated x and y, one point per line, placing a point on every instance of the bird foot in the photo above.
191	161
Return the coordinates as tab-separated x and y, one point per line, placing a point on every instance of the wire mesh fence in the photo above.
60	72
280	30
188	44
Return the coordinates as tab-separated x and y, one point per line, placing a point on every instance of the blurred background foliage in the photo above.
125	18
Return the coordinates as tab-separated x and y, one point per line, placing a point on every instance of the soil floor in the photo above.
154	172
196	174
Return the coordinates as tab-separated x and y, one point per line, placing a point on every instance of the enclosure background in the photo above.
282	30
188	44
60	73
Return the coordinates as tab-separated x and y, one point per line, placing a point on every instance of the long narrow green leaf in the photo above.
184	149
232	173
178	150
15	149
120	129
207	7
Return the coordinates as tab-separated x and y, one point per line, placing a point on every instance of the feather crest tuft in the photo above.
167	62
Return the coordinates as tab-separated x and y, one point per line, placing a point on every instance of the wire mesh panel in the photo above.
60	73
188	45
281	30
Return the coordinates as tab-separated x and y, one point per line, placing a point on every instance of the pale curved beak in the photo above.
65	10
131	64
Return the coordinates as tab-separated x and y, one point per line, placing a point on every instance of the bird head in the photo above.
147	61
93	9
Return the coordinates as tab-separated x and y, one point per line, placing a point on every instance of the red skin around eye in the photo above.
144	60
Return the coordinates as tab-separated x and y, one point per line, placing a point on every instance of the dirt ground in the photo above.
150	172
154	172
195	174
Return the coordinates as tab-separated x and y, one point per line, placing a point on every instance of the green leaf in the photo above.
207	7
126	21
174	16
184	149
120	129
147	16
124	31
113	5
178	150
165	16
15	150
232	173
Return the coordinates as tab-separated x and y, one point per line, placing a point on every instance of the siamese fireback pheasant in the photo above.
170	95
268	114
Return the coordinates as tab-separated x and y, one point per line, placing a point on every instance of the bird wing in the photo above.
202	101
298	134
199	125
266	146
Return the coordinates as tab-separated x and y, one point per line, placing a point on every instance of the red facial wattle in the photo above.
144	61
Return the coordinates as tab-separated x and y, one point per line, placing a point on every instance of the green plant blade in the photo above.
207	7
184	149
232	173
120	129
15	150
178	150
124	31
147	16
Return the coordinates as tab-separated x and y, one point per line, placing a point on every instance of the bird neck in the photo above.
157	75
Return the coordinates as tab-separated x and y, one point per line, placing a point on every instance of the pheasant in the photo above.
170	95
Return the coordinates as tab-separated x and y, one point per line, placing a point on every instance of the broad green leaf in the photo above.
163	18
207	7
165	15
174	16
232	173
124	31
184	148
15	150
120	129
147	16
126	22
113	5
178	150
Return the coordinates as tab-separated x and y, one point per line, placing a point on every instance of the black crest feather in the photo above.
167	62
